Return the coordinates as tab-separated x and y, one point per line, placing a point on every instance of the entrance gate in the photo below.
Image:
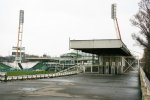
112	65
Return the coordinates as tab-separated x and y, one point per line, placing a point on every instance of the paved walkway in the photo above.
77	87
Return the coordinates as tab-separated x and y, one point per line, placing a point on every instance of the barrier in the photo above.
145	85
70	71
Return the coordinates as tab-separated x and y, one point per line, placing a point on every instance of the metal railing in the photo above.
69	71
145	85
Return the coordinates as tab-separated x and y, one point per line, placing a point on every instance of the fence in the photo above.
145	85
70	71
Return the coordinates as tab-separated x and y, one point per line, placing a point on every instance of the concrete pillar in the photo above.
110	60
113	64
119	68
118	65
107	68
91	68
122	64
98	65
101	68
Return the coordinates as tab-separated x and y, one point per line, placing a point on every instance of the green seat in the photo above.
4	67
39	66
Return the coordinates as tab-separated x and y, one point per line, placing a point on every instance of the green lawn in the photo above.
17	73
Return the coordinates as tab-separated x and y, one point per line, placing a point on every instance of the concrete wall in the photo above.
145	85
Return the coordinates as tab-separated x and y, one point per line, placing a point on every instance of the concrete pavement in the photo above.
76	87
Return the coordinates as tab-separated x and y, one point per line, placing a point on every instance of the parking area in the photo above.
76	87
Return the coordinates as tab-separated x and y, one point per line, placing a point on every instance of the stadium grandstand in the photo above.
5	68
38	66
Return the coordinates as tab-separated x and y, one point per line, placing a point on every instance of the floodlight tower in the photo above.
19	47
113	16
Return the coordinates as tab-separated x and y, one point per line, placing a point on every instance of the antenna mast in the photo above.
113	16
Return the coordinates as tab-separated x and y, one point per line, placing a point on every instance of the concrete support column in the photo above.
113	64
110	60
119	68
91	68
107	67
122	63
98	65
101	68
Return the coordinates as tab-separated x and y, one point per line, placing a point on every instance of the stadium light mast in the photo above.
114	17
19	47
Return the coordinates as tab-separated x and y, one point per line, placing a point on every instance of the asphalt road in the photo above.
76	87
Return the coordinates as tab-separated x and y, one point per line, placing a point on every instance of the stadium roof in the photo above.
102	47
42	59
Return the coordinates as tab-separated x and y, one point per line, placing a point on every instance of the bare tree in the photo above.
141	20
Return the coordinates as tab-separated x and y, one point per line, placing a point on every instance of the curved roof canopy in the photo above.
102	47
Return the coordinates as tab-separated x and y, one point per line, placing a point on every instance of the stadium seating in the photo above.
39	66
4	67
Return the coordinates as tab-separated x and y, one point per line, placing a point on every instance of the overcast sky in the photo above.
48	24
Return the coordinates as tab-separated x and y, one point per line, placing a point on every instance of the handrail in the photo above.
69	71
74	68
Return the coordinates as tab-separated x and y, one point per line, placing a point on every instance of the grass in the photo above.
17	73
